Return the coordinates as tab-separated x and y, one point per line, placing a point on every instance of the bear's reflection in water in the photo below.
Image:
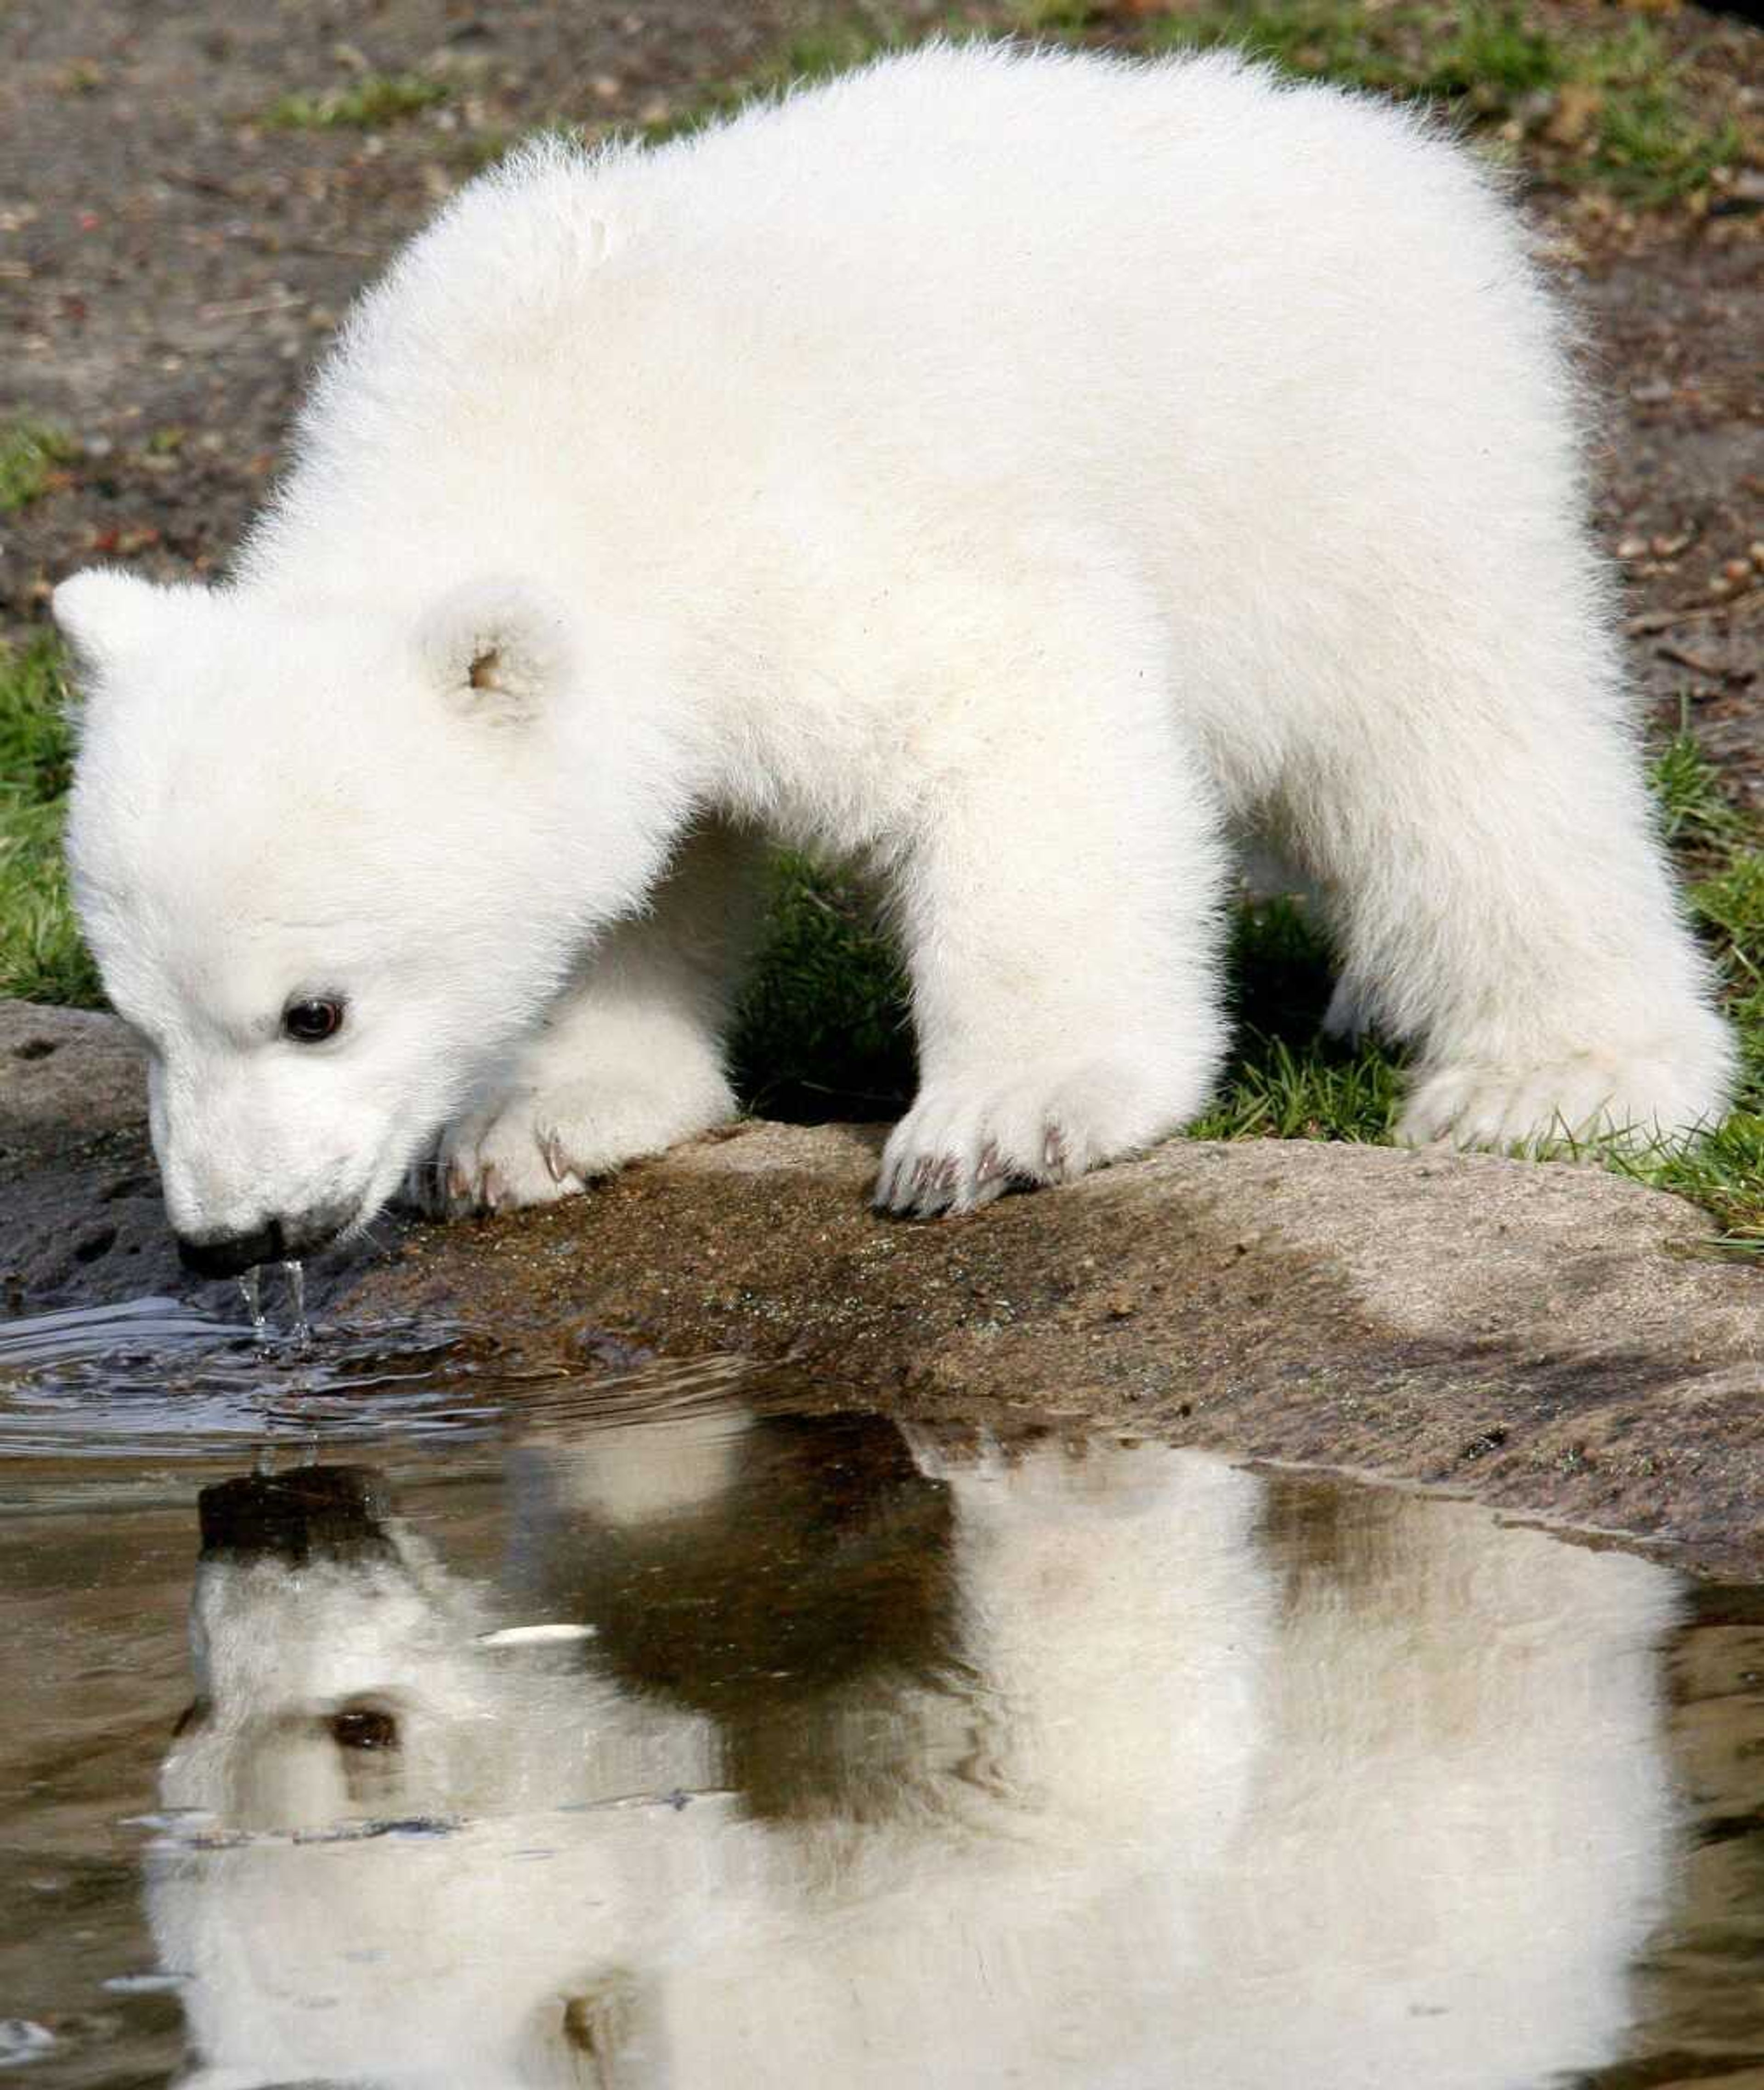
894	1762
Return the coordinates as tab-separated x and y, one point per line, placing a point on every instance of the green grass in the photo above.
1493	55
368	103
30	453
1056	18
1286	1080
1648	139
1723	852
822	1031
1695	815
1310	38
41	956
1653	148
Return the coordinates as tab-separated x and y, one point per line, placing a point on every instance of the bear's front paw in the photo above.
965	1142
532	1147
1641	1101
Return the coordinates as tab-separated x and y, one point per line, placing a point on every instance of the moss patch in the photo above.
32	456
367	103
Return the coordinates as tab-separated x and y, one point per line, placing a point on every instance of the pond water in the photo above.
375	1718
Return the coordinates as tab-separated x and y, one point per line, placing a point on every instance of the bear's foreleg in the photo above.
630	1061
1060	902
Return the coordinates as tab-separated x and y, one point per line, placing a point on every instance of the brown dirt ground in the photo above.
170	265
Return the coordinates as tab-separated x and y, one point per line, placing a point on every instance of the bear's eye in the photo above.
364	1728
311	1022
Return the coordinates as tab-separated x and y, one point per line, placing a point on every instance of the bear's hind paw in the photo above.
1555	1106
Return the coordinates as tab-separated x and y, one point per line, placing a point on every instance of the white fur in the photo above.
1016	470
1194	1805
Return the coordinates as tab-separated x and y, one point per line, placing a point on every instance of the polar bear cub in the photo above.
1016	472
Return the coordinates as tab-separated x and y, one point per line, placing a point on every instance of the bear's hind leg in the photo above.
630	1061
1503	901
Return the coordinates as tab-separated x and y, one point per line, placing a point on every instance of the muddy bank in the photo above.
1549	1340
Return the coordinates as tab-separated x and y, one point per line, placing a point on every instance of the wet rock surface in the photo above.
64	1067
82	1222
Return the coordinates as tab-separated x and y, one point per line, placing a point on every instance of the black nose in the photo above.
338	1511
231	1255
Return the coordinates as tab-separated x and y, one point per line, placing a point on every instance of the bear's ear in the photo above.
107	615
496	649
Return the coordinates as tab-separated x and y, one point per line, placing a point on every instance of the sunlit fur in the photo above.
1022	472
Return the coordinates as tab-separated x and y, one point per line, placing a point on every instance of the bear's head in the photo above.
334	862
389	1855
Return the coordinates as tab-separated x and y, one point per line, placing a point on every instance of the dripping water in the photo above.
251	1292
295	1272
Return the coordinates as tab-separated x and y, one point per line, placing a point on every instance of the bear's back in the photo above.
1060	278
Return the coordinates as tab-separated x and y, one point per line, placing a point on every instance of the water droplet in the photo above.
295	1272
251	1292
